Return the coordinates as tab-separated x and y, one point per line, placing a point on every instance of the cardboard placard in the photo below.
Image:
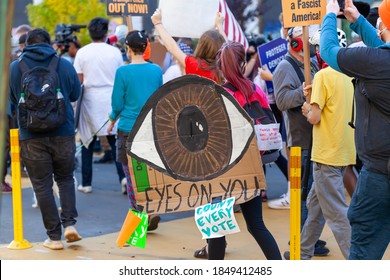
271	54
127	7
303	12
216	219
189	18
193	142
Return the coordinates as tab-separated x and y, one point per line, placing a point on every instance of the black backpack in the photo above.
260	115
43	107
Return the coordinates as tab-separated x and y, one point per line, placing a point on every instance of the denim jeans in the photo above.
369	216
86	161
253	215
43	158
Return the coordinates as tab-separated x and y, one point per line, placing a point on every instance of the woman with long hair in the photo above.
231	61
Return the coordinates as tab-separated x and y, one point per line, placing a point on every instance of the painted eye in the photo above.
191	129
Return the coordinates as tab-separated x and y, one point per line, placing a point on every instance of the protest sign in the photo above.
216	219
127	7
271	54
193	142
189	18
303	12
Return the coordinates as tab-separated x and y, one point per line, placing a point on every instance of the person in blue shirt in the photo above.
133	85
369	209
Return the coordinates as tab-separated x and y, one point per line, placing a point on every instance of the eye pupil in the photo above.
192	129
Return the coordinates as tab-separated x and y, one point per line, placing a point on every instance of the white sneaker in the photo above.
53	244
124	185
84	189
280	203
71	234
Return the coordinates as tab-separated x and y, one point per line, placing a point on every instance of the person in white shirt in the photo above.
96	64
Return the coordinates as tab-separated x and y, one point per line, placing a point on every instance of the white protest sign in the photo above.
268	136
189	18
216	219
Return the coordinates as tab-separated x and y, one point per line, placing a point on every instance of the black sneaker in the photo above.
321	242
320	251
286	255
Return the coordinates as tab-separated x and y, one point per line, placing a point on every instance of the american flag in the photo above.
232	29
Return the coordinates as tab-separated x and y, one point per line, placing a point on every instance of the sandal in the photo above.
201	253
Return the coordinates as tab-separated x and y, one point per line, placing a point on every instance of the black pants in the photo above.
252	212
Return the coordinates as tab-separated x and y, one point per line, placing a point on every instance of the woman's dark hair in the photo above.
98	28
37	36
137	41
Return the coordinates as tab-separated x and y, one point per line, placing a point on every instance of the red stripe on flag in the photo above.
232	29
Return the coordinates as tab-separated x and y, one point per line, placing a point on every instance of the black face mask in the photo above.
312	51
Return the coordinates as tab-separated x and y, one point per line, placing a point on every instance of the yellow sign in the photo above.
303	12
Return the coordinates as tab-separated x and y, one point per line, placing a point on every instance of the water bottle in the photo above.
22	111
61	108
22	99
59	94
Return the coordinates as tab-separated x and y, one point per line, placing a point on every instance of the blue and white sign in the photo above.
271	54
216	219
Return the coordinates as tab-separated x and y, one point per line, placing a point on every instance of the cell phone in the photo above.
341	4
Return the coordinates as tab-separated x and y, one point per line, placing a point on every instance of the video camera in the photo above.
64	35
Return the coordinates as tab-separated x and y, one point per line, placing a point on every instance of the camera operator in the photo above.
252	59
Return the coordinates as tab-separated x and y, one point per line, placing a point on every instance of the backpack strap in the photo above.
54	63
23	65
296	68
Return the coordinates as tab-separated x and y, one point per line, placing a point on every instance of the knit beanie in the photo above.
384	12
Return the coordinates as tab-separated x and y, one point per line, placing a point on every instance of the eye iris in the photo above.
208	152
192	128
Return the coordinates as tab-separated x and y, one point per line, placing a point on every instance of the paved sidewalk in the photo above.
101	214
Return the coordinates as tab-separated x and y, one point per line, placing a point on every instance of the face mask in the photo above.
14	43
312	51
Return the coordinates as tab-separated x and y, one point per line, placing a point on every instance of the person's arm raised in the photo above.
219	20
167	39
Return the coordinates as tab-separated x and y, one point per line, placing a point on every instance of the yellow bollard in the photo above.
19	242
295	203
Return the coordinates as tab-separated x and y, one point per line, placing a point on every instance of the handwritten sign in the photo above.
268	137
138	238
192	142
271	54
216	219
303	12
127	7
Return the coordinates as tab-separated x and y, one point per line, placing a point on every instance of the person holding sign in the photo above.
369	209
203	61
133	85
231	61
287	79
329	110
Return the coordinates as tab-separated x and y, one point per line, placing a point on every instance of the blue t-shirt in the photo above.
133	85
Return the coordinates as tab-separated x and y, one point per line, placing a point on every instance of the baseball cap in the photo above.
137	41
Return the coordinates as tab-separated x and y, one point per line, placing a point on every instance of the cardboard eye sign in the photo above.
192	142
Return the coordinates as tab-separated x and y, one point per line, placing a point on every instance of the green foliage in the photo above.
52	12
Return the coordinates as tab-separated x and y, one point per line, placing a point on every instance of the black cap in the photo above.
362	7
137	41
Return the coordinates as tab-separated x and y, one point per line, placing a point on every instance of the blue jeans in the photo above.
86	161
369	216
253	215
43	158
